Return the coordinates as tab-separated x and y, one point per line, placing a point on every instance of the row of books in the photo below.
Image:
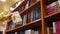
19	21
29	31
36	14
53	7
55	28
29	2
21	8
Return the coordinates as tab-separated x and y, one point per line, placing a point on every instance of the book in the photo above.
20	32
15	32
10	26
52	10
19	2
36	13
28	18
57	26
28	31
27	5
49	30
16	18
24	19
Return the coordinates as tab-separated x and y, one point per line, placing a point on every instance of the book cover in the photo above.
52	10
16	17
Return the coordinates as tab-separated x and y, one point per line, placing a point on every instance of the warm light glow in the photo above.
2	12
3	0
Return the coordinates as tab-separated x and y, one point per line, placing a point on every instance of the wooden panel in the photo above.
27	26
43	13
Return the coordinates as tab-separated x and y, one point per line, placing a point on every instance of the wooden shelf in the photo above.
53	16
27	26
22	4
29	9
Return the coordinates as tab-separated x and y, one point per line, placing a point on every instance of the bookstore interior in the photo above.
29	16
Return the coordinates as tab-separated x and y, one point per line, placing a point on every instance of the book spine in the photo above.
57	26
52	10
38	13
28	31
54	27
33	15
28	18
24	19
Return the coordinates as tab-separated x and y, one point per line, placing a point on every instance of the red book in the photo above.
56	27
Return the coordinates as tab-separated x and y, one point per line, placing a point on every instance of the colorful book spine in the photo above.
52	10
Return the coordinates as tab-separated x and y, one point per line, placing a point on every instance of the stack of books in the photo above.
53	7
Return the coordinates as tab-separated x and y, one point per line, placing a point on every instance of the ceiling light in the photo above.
3	0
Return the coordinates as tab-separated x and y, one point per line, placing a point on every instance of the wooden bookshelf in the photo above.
43	22
53	15
22	4
29	9
26	26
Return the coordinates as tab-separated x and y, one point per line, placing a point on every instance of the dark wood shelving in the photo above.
41	23
54	16
26	26
29	9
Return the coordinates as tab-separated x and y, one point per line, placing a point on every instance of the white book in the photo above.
20	1
54	27
28	31
59	1
47	30
36	32
15	32
16	17
27	5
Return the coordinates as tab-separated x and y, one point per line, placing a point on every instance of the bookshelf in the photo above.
44	22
